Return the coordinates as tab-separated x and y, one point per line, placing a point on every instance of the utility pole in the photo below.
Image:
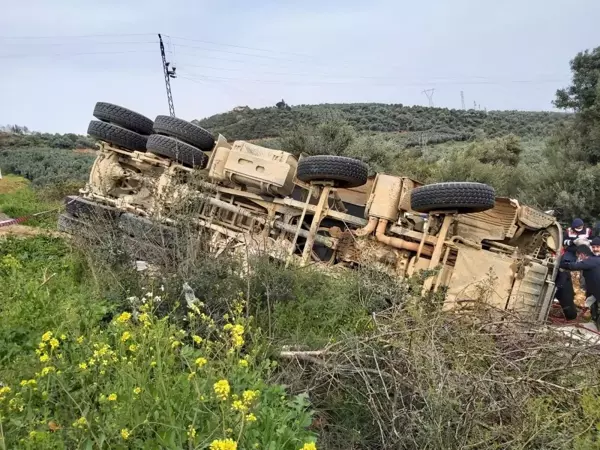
474	104
462	99
429	94
169	73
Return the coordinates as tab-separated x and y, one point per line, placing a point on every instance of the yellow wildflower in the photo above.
132	348
80	423
46	336
175	344
125	433
191	375
112	397
137	390
91	362
103	372
54	343
4	390
63	337
31	382
153	364
44	358
191	432
243	363
249	396
42	345
222	389
83	366
309	446
125	336
251	418
201	361
223	444
80	339
197	339
47	370
124	317
23	382
238	405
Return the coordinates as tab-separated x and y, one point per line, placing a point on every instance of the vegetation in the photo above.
197	352
439	124
17	137
18	199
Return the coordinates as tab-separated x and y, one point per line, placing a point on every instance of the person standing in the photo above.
596	245
589	265
565	294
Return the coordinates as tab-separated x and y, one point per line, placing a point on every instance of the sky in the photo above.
59	58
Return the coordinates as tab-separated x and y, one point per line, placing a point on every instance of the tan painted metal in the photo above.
249	194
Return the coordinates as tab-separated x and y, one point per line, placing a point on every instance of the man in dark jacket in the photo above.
565	294
596	245
589	264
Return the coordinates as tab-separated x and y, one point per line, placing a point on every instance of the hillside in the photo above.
247	123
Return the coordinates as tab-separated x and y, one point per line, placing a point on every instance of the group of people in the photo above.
581	253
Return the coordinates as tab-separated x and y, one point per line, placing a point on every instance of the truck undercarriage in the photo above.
325	210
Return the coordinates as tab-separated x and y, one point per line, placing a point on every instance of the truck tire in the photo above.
184	131
344	172
464	197
123	117
176	150
115	135
81	208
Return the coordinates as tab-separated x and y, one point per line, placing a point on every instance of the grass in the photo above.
11	183
18	199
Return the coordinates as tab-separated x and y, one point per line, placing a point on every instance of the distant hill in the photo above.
454	124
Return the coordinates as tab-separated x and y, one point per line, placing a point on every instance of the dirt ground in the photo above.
25	231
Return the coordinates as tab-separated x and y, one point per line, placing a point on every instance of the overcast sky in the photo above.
58	58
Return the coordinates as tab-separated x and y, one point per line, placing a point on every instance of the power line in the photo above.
75	37
17	55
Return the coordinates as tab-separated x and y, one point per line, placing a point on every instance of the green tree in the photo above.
583	96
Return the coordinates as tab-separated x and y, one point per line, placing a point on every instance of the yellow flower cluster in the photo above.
46	336
197	339
124	317
47	370
201	361
31	382
239	405
222	389
251	418
144	318
112	397
309	446
125	336
80	423
191	432
137	390
237	334
223	444
3	391
125	433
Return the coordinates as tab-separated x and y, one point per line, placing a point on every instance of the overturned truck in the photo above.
323	210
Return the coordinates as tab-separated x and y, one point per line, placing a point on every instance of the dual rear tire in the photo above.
169	137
